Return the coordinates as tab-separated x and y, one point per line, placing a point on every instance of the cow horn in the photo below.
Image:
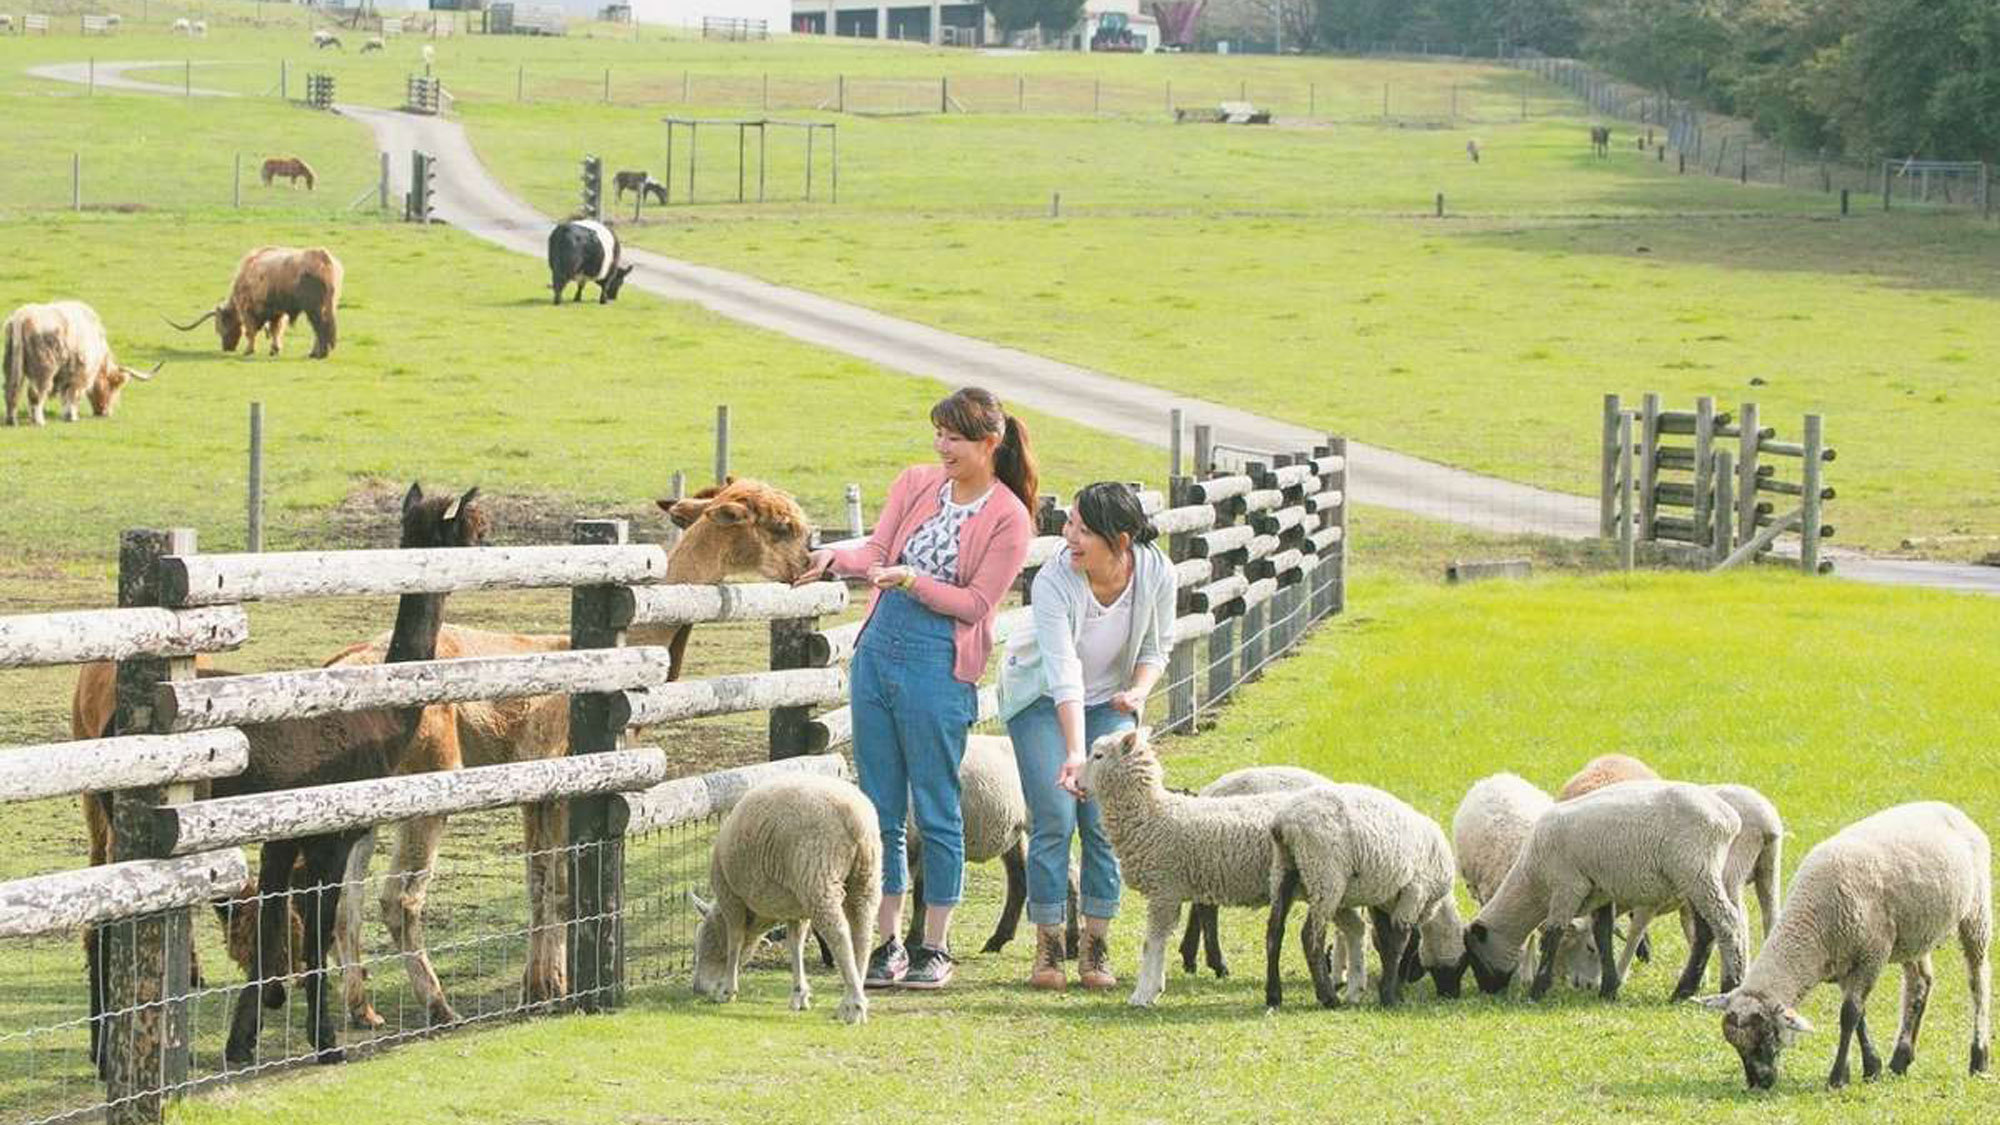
196	323
142	376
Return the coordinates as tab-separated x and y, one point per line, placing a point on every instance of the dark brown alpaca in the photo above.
324	751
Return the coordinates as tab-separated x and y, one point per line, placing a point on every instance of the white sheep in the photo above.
1610	769
1204	919
1174	848
373	43
1755	857
1488	831
1349	847
1884	890
1642	843
200	29
802	850
181	27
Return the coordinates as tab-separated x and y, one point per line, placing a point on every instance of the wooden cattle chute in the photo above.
1725	495
172	730
743	127
1266	545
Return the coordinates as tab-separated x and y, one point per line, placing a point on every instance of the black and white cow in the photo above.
585	250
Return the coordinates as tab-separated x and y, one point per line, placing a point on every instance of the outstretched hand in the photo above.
1068	778
821	559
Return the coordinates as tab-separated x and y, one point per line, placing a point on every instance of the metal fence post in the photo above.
721	443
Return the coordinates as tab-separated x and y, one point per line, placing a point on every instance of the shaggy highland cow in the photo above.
274	283
60	350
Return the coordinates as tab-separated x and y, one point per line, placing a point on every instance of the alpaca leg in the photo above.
1917	977
547	828
1015	861
348	947
404	889
795	940
326	861
1162	916
274	917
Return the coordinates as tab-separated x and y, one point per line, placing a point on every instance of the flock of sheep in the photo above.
1551	877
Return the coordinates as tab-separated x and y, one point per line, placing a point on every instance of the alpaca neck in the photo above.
418	619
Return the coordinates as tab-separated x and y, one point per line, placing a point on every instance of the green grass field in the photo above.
1792	685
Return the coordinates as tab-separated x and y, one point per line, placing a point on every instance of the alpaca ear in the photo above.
683	513
728	514
460	503
413	497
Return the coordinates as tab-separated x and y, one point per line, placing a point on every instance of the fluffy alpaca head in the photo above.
1118	758
738	527
1759	1028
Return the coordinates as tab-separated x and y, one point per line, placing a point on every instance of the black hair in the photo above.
1109	507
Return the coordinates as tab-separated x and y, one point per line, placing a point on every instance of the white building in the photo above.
931	22
688	14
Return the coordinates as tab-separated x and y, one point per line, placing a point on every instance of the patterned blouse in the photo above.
932	550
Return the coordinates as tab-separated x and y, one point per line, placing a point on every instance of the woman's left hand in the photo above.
888	577
1128	701
1070	774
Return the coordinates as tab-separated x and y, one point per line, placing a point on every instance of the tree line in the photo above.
1864	78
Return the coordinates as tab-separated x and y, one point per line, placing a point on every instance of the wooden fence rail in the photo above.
101	765
51	904
222	579
44	639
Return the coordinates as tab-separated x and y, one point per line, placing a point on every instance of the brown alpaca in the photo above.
273	285
741	527
290	167
307	752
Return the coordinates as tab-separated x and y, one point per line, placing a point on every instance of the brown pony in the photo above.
290	167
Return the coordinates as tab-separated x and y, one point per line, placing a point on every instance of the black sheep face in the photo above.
1759	1029
1489	964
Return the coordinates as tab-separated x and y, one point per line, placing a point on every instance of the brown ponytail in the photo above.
974	412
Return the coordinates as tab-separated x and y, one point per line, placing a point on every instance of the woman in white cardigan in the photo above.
1103	618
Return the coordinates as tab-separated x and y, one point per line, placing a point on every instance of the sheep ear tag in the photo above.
1796	1022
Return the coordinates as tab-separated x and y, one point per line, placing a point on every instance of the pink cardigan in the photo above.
991	548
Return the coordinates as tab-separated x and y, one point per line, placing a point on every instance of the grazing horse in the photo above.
1600	140
291	168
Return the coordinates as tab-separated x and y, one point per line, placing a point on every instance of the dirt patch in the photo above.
368	517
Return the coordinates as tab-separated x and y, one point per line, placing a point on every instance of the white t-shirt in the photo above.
1106	628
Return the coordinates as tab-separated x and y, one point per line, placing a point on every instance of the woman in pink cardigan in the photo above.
948	546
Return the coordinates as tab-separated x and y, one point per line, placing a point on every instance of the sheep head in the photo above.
1492	961
1759	1028
711	953
1126	753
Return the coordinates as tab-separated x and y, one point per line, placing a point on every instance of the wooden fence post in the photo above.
1649	464
1721	530
1627	533
1704	438
1814	441
596	920
790	638
1746	472
1607	498
143	965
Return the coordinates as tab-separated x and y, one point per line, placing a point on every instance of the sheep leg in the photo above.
1545	972
1274	937
795	940
1211	941
1162	917
1724	916
1974	934
846	928
1412	966
739	929
1354	945
404	889
1602	925
1015	861
1391	937
1191	937
825	950
1635	940
1850	1021
1072	912
1917	977
1319	962
1697	962
915	937
347	944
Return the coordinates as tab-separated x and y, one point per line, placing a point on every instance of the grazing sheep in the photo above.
1886	889
1174	848
1204	918
1642	843
181	27
1488	832
803	850
200	29
1353	846
322	39
1755	855
1603	770
373	43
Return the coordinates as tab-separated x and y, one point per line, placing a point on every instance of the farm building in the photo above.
1119	25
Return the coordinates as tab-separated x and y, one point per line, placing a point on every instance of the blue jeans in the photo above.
1054	816
910	720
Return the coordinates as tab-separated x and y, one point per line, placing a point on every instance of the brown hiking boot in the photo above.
1048	969
1093	968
